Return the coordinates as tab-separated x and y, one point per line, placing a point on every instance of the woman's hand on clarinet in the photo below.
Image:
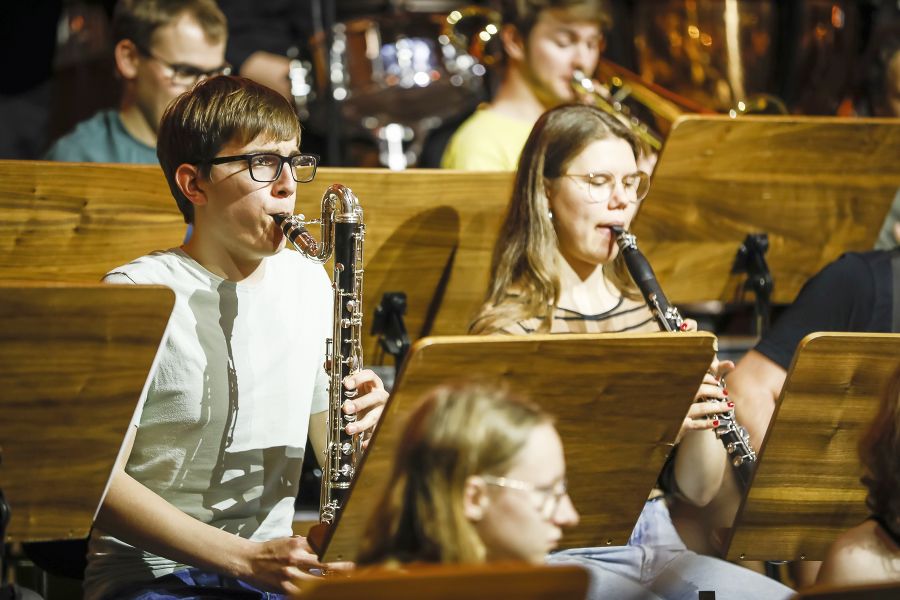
284	564
368	404
710	400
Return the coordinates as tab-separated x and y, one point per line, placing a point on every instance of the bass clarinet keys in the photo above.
343	232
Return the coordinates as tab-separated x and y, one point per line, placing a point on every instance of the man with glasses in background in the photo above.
162	49
205	503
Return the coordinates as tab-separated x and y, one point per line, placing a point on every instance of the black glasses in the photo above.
265	167
183	74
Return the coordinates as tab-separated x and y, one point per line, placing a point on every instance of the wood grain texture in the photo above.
616	426
882	591
818	186
429	233
74	361
75	222
806	490
452	582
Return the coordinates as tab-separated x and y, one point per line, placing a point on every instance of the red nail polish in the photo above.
725	392
716	423
731	405
683	326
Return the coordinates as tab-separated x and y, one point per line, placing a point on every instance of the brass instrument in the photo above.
623	86
343	232
734	437
584	86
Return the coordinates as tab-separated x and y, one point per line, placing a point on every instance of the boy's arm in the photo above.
135	514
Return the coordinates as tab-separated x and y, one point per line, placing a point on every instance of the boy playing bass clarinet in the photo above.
214	455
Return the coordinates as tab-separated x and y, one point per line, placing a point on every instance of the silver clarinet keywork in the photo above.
343	232
734	437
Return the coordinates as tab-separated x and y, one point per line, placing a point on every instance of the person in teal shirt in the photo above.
102	138
162	48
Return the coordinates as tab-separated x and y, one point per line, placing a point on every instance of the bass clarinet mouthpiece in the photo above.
296	233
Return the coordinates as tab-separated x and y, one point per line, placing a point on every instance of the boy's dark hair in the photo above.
216	112
138	20
523	14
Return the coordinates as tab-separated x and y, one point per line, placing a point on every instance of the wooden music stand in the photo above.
616	427
429	233
880	591
818	186
75	361
452	582
806	489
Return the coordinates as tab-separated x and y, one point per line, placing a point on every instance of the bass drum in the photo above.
404	68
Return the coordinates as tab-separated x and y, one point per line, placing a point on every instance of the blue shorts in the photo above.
195	584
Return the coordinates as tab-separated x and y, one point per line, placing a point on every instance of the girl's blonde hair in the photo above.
525	259
456	432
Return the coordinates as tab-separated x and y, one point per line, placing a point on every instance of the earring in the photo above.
550	214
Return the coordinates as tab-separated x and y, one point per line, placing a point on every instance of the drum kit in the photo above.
394	77
395	70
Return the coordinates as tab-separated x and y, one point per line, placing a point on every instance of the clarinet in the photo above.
734	437
343	232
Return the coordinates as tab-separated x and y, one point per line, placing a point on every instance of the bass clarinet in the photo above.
735	437
343	232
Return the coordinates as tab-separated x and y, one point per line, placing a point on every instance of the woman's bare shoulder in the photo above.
864	554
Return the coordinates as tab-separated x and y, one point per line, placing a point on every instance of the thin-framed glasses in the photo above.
551	496
601	185
265	167
185	75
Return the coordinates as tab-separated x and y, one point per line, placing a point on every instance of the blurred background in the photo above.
385	83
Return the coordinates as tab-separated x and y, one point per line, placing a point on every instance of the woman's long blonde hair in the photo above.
456	432
525	259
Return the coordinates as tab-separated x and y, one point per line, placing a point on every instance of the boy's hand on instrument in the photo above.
368	404
284	564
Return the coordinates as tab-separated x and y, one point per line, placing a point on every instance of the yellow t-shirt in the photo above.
487	141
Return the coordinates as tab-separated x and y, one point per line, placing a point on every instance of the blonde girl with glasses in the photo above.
479	476
556	268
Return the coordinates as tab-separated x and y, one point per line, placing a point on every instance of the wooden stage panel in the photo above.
818	186
807	490
617	428
75	359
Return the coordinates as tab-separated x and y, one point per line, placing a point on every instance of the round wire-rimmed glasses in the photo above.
265	167
601	185
551	495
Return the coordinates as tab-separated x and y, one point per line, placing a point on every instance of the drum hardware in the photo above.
399	146
389	326
751	259
392	78
300	77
